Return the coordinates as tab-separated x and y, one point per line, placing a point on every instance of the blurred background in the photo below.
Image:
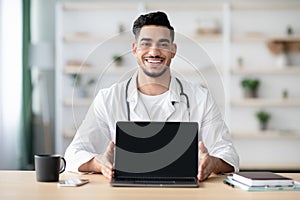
56	54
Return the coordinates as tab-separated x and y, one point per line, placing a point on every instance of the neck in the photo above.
153	86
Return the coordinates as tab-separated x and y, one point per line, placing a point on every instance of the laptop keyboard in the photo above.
157	180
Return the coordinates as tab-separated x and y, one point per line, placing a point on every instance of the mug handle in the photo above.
62	169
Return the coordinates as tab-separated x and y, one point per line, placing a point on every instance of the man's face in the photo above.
154	50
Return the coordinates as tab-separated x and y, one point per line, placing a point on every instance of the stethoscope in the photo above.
173	102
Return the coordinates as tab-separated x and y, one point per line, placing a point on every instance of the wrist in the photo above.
217	165
221	166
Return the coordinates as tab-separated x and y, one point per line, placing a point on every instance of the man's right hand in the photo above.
106	160
101	163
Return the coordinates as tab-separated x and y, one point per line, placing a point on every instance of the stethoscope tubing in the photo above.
182	93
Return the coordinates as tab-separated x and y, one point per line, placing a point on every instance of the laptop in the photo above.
156	154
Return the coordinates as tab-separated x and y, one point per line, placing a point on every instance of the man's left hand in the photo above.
208	164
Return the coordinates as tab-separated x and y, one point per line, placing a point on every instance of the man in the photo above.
152	94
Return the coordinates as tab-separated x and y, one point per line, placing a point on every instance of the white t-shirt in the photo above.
153	103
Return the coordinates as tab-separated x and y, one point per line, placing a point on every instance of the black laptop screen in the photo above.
156	149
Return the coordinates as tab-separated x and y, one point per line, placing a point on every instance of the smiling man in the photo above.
152	94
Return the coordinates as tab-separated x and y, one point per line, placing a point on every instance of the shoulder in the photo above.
111	95
193	88
114	90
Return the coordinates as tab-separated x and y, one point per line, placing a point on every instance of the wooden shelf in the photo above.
208	37
264	5
96	5
81	70
96	70
123	69
287	38
184	6
249	38
69	134
84	38
78	102
265	134
179	5
89	37
266	102
266	70
260	37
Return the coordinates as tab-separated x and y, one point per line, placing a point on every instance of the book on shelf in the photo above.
262	179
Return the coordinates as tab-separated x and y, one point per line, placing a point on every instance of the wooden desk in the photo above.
22	185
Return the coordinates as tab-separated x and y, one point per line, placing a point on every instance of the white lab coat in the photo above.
109	106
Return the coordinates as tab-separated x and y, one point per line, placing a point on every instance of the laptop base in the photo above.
180	183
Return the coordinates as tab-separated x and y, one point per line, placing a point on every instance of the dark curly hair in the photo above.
154	18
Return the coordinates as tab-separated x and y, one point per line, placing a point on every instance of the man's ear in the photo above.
174	50
134	48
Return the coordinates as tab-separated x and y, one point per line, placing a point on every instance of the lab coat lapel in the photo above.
138	111
174	97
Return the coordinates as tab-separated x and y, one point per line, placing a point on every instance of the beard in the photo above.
154	74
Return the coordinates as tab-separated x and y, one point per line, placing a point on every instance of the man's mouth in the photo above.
154	60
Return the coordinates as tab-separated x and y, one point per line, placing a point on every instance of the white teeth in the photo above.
154	61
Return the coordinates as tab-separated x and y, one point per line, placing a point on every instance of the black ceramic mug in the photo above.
48	167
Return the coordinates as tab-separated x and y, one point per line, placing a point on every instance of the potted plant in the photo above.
263	118
118	59
81	87
250	87
240	61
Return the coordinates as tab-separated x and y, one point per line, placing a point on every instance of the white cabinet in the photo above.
252	27
210	38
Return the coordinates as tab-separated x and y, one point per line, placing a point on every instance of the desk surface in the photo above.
22	185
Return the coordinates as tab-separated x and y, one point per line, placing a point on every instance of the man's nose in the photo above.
154	51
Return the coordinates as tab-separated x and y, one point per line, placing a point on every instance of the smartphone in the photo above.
73	182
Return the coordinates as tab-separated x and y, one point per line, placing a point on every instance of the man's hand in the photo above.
210	164
106	160
101	163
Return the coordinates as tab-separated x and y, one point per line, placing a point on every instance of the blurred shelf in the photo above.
218	37
81	70
264	5
249	38
98	5
260	37
97	70
268	134
287	38
69	134
89	37
124	69
184	6
179	5
266	70
78	101
84	37
265	102
189	71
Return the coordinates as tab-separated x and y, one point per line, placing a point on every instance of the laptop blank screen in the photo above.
156	149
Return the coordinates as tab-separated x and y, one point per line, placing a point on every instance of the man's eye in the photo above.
164	45
146	44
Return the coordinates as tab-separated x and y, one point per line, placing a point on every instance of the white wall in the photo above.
11	83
